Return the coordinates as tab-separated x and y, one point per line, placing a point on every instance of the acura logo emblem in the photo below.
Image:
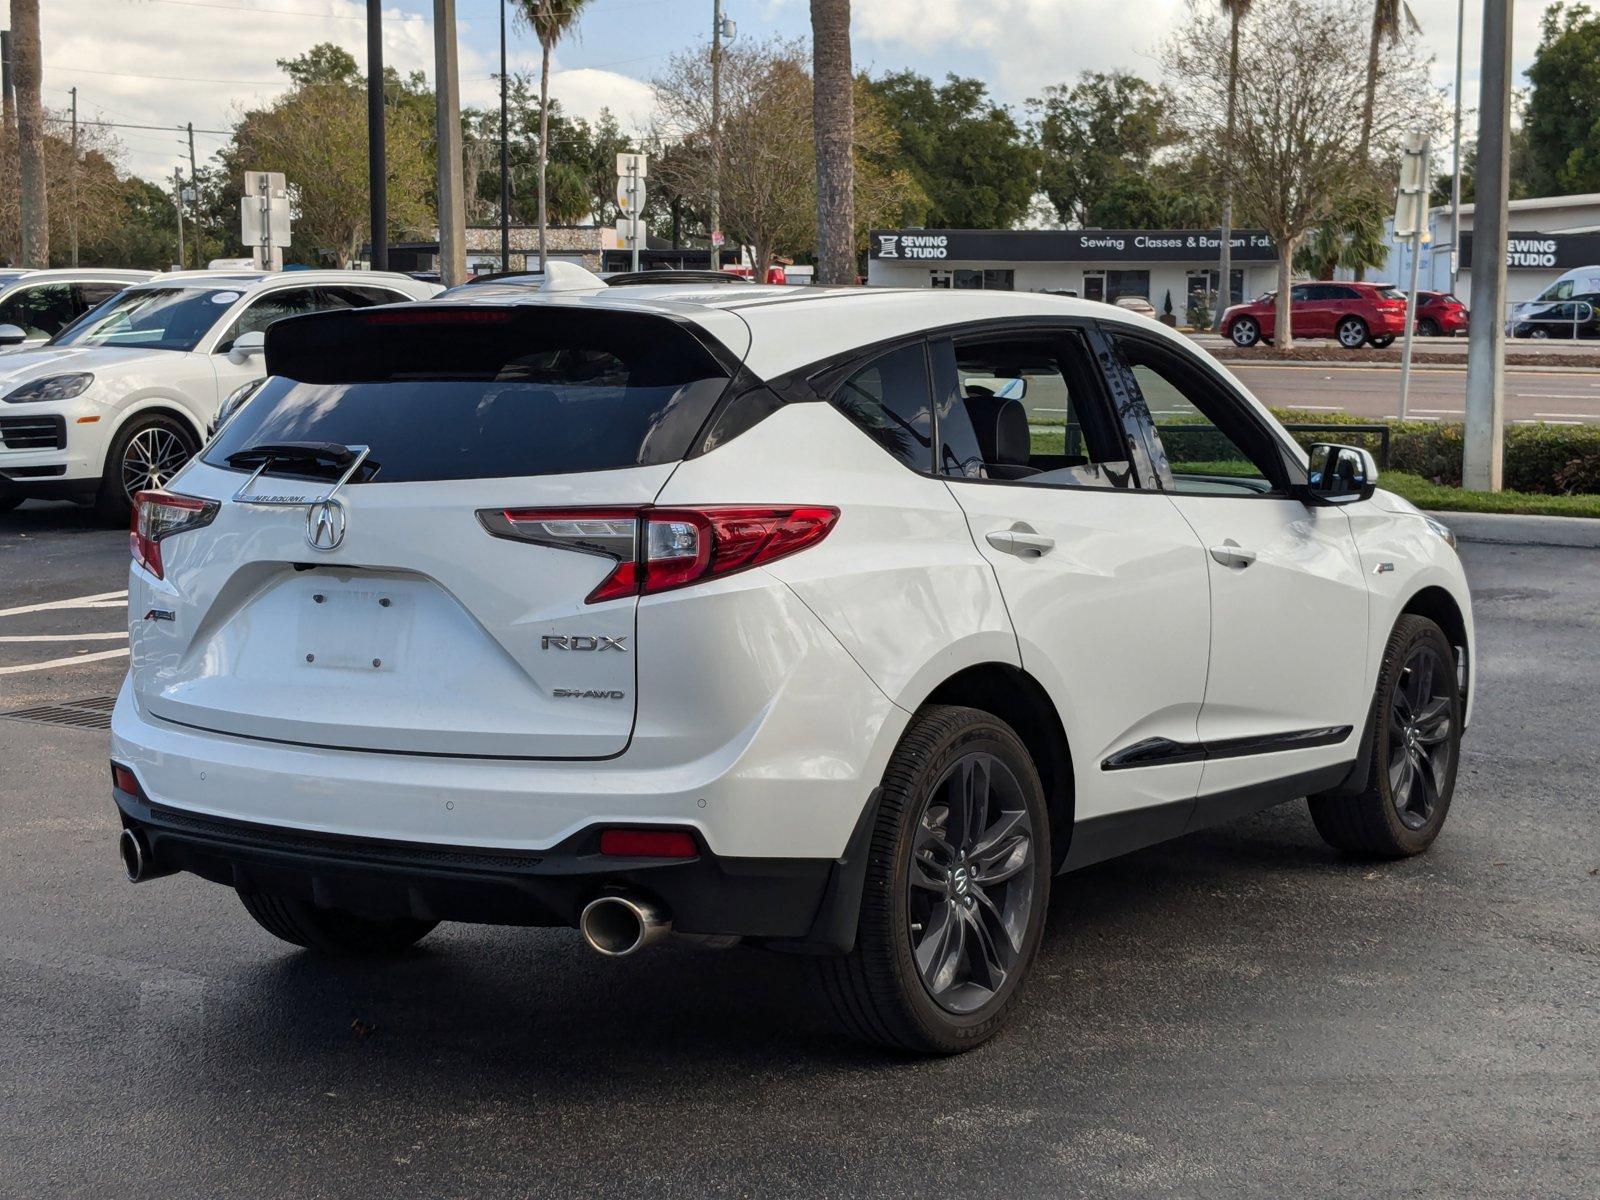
325	525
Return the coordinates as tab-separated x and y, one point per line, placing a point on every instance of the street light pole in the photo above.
1486	349
377	149
716	131
505	162
1455	169
72	223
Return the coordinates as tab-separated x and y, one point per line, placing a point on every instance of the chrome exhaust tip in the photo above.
137	861
134	854
618	926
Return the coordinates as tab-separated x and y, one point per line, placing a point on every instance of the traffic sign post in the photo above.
631	172
264	217
1411	221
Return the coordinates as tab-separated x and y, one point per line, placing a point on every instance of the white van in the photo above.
1580	283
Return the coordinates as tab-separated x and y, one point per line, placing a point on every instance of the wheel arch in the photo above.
1017	698
159	406
1440	607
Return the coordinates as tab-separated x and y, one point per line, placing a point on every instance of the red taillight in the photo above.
647	843
435	316
657	549
159	515
124	780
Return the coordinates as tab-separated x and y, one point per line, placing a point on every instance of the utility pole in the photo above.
1486	347
1455	169
716	132
377	150
177	204
505	160
194	186
447	81
1411	221
72	189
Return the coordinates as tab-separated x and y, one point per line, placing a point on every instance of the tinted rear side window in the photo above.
476	393
888	398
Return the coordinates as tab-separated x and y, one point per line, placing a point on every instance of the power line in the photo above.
162	128
75	69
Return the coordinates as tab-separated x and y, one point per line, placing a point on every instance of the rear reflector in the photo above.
124	780
159	515
658	549
647	843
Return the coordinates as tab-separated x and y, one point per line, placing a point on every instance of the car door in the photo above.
1313	311
1288	684
1104	581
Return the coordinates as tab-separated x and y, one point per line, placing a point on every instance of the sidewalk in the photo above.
1503	529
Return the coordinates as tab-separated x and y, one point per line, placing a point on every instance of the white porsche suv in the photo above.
839	621
121	398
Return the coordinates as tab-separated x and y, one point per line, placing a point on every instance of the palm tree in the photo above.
1386	17
833	118
1236	10
27	72
551	20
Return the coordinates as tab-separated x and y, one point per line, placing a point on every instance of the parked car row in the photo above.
100	401
1356	314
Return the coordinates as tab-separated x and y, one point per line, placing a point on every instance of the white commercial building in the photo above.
1097	264
1548	236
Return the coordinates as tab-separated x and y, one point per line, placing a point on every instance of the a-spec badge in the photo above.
325	524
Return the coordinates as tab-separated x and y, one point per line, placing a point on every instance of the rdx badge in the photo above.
583	643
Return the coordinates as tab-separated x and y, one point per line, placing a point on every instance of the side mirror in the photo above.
12	335
246	346
1340	474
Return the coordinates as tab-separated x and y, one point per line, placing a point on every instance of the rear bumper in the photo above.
782	899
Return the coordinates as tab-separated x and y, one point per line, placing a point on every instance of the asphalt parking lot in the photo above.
1240	1013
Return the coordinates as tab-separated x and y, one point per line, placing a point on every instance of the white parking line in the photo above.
1558	395
1543	422
14	638
1443	412
23	668
103	600
1580	416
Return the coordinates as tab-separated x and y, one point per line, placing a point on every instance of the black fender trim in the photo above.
833	931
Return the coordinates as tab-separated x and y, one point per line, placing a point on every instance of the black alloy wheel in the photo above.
1418	718
1421	748
970	890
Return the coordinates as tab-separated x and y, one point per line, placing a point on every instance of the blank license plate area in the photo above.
353	628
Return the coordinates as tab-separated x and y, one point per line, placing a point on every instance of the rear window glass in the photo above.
499	393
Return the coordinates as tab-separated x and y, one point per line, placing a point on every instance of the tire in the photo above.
1351	332
968	925
1427	327
1401	812
7	503
331	931
1378	343
1245	332
147	451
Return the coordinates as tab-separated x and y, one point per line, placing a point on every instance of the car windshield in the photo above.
172	318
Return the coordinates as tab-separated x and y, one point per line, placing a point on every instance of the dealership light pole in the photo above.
505	162
1455	168
377	150
1486	349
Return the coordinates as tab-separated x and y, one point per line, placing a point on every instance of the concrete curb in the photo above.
1507	529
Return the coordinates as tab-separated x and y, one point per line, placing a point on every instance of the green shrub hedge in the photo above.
1548	460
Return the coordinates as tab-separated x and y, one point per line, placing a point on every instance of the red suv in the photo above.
1358	314
1439	314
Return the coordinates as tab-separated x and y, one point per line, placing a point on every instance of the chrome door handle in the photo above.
1023	542
1231	554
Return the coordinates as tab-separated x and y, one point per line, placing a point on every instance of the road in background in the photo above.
1243	1012
1566	397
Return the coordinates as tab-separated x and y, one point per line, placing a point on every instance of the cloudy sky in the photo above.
166	62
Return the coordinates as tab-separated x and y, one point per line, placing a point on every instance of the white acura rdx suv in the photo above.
118	400
839	621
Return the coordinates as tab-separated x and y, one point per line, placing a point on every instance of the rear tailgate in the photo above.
420	631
